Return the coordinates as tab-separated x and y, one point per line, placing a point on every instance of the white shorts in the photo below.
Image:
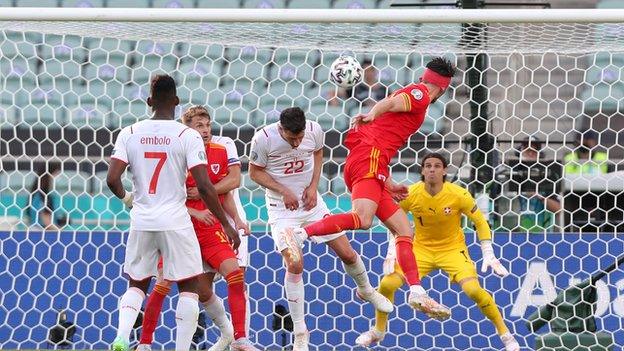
282	219
179	250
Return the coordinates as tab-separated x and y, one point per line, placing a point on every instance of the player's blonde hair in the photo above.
194	111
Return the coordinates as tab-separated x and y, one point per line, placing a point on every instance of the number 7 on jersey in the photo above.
161	157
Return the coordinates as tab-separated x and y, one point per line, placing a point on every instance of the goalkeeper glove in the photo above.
390	260
127	199
489	260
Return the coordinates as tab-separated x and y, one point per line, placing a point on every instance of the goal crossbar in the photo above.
314	15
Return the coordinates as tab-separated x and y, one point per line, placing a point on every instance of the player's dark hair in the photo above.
442	66
293	120
429	155
163	87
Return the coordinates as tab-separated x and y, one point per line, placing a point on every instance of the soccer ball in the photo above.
345	71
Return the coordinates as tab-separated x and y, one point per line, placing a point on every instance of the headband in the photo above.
436	79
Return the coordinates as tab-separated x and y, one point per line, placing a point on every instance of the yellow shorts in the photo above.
455	262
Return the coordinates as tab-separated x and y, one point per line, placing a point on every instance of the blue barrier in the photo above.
81	272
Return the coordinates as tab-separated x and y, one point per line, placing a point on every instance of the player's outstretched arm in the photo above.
390	104
113	180
485	236
209	195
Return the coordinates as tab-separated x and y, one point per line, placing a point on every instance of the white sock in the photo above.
248	314
295	297
186	315
357	271
129	308
216	312
417	289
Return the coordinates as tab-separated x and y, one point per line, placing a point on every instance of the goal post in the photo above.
71	78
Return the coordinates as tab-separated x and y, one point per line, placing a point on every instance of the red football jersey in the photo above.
217	170
391	130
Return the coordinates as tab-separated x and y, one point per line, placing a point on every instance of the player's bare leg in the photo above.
354	266
418	299
295	296
129	308
488	307
215	310
236	299
365	210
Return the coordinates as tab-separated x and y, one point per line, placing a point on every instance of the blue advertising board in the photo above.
80	272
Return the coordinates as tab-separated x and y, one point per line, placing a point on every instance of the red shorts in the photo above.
214	245
365	174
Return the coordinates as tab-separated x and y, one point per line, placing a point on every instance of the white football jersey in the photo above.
159	154
290	167
233	159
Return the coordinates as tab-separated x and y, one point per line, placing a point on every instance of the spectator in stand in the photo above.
538	200
370	90
586	159
41	206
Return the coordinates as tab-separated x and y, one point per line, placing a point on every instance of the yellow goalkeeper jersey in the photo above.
437	218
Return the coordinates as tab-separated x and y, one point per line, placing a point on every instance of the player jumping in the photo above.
160	152
373	140
216	252
437	207
286	158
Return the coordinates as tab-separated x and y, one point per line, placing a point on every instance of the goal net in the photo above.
67	86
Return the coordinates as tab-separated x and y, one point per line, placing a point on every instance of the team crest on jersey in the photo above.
215	167
447	211
417	94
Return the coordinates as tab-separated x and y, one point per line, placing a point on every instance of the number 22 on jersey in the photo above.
293	167
161	157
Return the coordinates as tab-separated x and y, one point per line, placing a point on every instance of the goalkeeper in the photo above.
439	243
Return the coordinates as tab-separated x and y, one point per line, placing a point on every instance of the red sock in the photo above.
152	312
407	260
237	302
333	224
